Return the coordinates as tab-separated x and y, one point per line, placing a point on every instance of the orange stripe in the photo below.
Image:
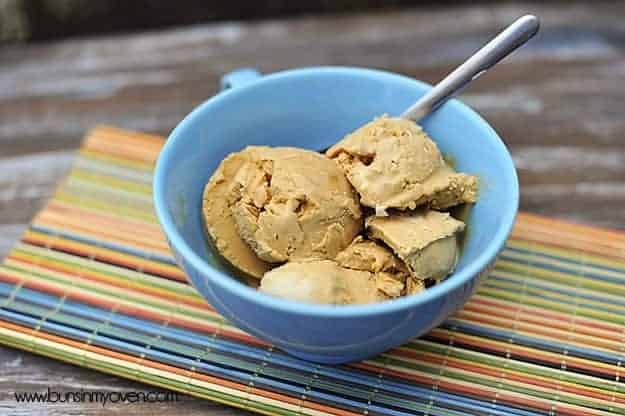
474	390
103	254
529	317
573	228
174	370
88	276
478	300
108	133
124	357
563	242
102	217
503	374
95	231
544	331
133	153
517	351
135	311
56	209
551	232
124	141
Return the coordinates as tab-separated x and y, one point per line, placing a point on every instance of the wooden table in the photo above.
559	105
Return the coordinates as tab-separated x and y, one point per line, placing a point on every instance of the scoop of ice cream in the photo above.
294	204
393	163
220	192
425	240
321	281
390	273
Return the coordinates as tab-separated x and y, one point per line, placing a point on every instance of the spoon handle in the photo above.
515	35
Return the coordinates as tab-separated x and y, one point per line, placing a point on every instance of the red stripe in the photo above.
105	218
544	331
86	275
549	315
514	351
174	370
572	325
503	374
480	393
135	311
107	258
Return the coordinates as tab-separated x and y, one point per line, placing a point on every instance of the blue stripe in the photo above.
104	244
502	335
224	346
424	396
574	263
576	301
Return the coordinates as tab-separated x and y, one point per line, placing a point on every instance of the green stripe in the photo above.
119	293
569	279
569	254
120	171
154	380
553	306
76	186
113	182
511	364
120	274
500	384
121	210
106	159
578	268
552	292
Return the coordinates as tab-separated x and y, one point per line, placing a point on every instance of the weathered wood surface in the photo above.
559	104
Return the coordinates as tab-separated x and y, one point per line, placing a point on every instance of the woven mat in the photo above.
92	283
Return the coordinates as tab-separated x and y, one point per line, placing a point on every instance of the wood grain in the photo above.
558	104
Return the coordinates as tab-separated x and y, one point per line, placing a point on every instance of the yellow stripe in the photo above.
565	301
565	253
576	268
102	252
569	280
498	390
119	297
529	351
506	370
85	358
96	267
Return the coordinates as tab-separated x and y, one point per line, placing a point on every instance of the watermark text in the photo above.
103	397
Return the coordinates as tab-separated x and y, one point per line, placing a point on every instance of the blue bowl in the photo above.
313	108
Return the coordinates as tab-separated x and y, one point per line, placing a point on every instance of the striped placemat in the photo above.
92	283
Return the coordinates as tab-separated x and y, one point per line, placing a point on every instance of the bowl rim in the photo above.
226	282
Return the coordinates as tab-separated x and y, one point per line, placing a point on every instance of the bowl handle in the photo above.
238	78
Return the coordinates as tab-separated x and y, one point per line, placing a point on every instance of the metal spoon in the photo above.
515	35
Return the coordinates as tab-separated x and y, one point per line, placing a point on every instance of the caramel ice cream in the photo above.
321	281
292	217
426	241
391	274
219	194
392	163
293	204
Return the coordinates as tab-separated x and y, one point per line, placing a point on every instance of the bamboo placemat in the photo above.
93	283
